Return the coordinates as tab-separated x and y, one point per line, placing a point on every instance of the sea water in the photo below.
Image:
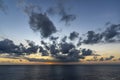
60	72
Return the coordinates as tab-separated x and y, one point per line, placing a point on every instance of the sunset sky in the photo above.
95	24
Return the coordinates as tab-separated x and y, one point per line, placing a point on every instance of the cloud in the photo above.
38	19
92	38
32	47
53	50
53	38
65	51
45	45
3	7
44	52
67	18
41	23
74	54
101	59
8	46
112	33
109	58
62	51
65	47
73	35
107	23
79	42
106	58
60	10
86	52
64	39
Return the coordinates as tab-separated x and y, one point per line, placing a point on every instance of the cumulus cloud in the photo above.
65	47
32	47
112	33
92	38
73	35
8	46
87	52
43	51
66	51
41	23
46	46
53	50
39	20
63	51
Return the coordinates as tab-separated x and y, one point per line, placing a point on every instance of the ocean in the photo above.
60	72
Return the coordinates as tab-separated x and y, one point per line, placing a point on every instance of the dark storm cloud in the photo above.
73	35
92	38
60	10
41	23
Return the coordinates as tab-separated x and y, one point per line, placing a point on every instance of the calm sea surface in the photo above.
74	72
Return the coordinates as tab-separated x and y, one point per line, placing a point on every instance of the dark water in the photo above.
79	72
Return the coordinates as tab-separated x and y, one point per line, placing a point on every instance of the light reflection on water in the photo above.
73	72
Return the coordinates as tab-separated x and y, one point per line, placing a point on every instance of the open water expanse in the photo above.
60	72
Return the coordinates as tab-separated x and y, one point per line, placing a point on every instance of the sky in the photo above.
59	18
